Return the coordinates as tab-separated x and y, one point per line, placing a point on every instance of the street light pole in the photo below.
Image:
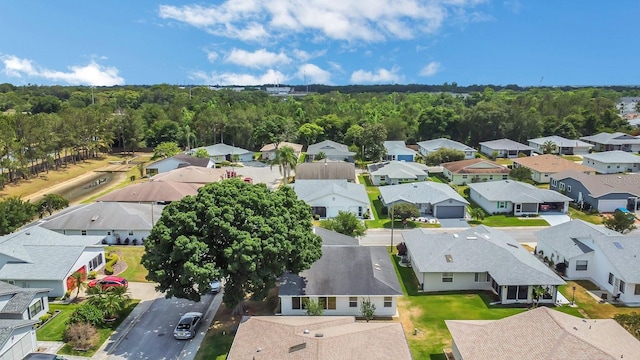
392	223
573	296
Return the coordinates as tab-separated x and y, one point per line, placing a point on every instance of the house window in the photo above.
131	232
108	232
465	176
523	292
388	301
95	262
84	232
581	265
561	187
505	177
569	188
610	279
622	285
481	277
447	277
502	204
327	303
353	301
554	182
636	291
295	303
512	291
35	308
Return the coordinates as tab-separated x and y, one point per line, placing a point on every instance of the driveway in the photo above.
555	219
260	173
453	223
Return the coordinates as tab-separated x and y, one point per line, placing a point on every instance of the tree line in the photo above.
43	127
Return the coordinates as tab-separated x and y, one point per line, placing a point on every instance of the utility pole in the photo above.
392	223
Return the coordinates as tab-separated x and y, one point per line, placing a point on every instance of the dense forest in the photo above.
49	125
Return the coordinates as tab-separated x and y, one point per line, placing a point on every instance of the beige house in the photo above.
474	170
543	166
269	151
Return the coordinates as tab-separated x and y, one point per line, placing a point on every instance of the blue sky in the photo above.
332	42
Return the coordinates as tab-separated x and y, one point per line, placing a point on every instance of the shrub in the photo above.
87	313
316	217
81	336
112	259
67	294
92	275
45	317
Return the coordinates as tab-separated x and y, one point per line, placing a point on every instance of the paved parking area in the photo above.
260	173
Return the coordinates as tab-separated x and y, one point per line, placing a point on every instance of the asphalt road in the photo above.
151	337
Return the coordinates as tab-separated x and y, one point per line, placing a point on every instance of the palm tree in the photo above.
286	160
477	213
549	147
111	301
77	280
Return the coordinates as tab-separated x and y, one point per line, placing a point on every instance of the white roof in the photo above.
436	144
616	156
560	141
516	191
424	192
398	169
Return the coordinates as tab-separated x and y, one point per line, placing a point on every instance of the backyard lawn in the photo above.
508	220
577	214
131	256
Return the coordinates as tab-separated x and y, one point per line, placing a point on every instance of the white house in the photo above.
431	198
396	172
223	152
614	141
331	150
20	310
177	161
563	146
346	275
586	251
542	333
517	198
269	151
479	258
115	222
612	162
504	148
474	170
35	257
398	150
328	197
429	146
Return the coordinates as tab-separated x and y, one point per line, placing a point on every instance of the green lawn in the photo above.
572	157
577	214
508	220
215	346
131	255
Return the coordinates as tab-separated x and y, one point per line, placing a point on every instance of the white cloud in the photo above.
312	74
431	69
302	55
212	56
228	78
350	20
91	74
336	66
258	59
380	76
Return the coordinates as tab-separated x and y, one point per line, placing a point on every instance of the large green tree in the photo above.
621	222
345	223
243	233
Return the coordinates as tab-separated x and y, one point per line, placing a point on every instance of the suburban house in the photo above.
20	310
589	252
474	170
628	105
542	333
543	166
192	174
346	275
432	198
35	257
326	170
429	146
331	150
396	172
517	198
612	162
116	222
614	141
563	146
328	197
177	161
317	338
604	193
479	258
159	192
223	152
398	150
505	148
269	151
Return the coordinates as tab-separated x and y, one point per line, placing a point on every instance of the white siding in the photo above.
342	306
491	207
335	203
21	342
461	281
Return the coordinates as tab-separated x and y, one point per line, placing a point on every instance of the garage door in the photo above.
611	205
449	212
21	348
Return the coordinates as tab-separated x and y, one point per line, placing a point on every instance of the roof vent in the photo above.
95	218
28	233
258	349
297	347
455	235
449	258
319	334
306	331
472	238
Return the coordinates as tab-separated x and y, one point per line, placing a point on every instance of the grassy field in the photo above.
131	255
577	214
588	304
508	220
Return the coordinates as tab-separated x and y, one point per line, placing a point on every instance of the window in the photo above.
35	308
511	292
295	303
447	277
95	262
561	187
131	232
622	285
490	177
481	277
581	265
502	204
323	302
84	232
353	301
554	182
523	292
388	301
569	188
327	303
610	279
465	176
505	177
636	291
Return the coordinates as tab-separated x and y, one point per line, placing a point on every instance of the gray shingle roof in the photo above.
600	185
223	150
41	254
153	191
181	159
516	191
191	174
478	249
616	138
616	156
398	169
326	170
334	238
309	190
330	148
436	144
395	147
560	141
345	270
425	192
8	326
505	144
20	300
106	216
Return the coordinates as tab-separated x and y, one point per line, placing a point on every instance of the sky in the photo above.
330	42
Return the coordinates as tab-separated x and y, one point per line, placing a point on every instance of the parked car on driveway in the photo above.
187	326
215	286
43	356
109	282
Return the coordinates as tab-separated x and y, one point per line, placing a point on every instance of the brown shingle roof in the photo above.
271	147
475	166
191	174
284	338
153	191
548	163
326	170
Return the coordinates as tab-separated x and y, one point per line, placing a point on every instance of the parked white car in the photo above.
187	326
